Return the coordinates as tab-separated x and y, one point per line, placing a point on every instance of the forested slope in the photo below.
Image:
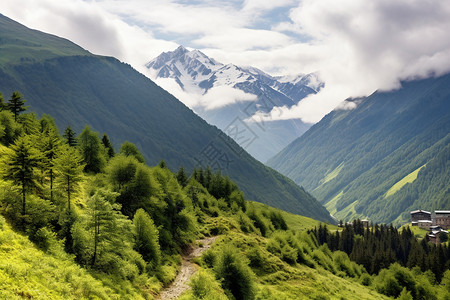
386	157
77	88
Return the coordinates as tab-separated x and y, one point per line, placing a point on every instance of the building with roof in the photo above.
441	218
425	224
418	215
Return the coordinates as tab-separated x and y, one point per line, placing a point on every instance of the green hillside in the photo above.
388	156
78	221
76	88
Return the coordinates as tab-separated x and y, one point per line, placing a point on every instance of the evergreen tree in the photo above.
48	125
11	129
20	166
120	171
50	144
162	164
130	149
108	146
92	150
103	237
182	177
16	104
146	238
69	167
3	105
70	136
235	275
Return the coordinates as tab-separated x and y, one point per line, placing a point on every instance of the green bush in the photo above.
366	279
259	221
236	276
245	223
43	238
205	286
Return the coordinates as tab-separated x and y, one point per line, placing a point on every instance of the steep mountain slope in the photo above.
79	88
231	92
388	156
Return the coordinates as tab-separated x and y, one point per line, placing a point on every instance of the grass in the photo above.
16	44
27	272
331	205
407	179
348	213
418	232
293	221
333	174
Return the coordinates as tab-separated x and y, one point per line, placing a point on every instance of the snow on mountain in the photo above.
223	93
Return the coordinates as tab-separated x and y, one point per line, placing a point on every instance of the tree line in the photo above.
111	211
380	246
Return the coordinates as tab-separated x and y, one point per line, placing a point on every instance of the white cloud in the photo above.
224	95
216	97
364	46
357	46
88	25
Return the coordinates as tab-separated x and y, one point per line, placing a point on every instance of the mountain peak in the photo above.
180	50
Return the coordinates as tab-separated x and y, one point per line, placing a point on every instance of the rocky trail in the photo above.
188	268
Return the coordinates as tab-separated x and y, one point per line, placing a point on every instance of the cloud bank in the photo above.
356	46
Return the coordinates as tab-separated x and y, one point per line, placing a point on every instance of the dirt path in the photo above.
188	268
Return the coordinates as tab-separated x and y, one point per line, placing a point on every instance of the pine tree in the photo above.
108	146
130	149
16	104
92	150
162	164
182	177
103	238
3	105
50	144
20	166
146	238
69	167
70	136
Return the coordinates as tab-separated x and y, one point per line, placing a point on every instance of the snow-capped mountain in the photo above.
227	95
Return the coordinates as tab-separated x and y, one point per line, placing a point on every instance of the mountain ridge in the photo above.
112	97
350	159
248	91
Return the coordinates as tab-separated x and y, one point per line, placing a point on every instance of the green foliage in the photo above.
3	105
108	146
130	149
182	177
405	295
103	237
390	137
44	238
235	275
10	130
20	164
69	170
121	170
146	238
16	104
204	286
92	150
394	280
245	223
70	136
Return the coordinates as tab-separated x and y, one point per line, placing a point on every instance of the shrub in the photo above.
259	221
43	238
205	286
245	223
235	274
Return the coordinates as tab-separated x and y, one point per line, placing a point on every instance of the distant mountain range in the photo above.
77	88
228	93
388	156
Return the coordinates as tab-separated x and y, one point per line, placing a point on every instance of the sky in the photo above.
356	46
